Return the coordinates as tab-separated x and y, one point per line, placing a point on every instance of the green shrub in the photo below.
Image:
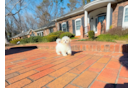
107	37
91	34
52	38
44	39
32	39
15	41
58	33
25	40
67	34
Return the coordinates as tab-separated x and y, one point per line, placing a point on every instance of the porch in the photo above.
98	16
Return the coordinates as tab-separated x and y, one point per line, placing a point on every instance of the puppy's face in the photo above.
65	40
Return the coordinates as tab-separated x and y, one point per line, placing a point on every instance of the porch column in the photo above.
108	16
86	20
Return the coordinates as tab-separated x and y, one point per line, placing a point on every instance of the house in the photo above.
46	29
114	12
25	35
92	16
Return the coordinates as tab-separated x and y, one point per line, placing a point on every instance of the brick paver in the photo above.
38	68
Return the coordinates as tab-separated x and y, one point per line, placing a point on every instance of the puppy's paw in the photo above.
64	54
69	52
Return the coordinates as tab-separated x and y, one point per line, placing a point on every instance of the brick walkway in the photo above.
36	68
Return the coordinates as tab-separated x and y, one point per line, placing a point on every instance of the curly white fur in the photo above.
63	46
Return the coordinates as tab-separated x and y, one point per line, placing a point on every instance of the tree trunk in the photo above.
6	41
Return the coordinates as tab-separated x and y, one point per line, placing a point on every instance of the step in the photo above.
92	46
84	46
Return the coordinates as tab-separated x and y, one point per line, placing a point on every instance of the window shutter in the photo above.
82	20
120	15
60	26
51	30
67	26
73	25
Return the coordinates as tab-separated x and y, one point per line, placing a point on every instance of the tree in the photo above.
62	11
72	4
85	1
13	7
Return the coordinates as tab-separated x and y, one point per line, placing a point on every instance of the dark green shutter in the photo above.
73	25
120	15
67	26
82	20
60	27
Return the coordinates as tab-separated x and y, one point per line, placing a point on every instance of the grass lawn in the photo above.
109	38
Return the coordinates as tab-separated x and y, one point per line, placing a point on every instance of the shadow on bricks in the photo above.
19	49
124	62
124	59
74	52
110	85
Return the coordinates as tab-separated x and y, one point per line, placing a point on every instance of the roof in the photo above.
22	34
76	10
50	24
80	9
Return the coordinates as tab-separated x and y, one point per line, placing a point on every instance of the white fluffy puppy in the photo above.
63	46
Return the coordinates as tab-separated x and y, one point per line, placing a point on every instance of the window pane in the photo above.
126	15
32	34
42	34
78	24
64	27
126	11
51	30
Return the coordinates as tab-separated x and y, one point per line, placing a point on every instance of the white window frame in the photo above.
62	25
123	20
80	23
40	33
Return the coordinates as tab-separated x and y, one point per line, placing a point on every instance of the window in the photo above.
40	33
78	24
32	34
126	15
64	27
51	30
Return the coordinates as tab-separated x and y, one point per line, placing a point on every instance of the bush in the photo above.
107	37
15	41
23	41
117	31
44	39
52	38
91	34
67	34
32	39
58	33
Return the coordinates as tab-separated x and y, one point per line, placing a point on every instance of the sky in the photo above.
64	4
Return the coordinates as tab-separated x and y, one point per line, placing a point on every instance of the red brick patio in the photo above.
42	68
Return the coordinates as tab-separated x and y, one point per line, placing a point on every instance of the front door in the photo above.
77	26
99	19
